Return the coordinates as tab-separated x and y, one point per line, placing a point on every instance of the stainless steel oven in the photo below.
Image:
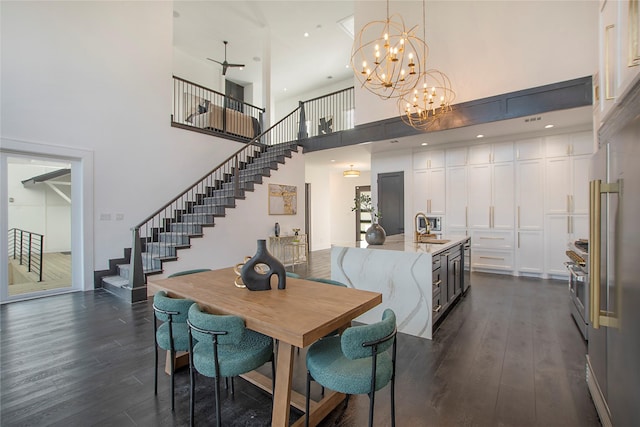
579	285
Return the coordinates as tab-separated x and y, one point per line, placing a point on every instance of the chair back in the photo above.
358	342
167	308
328	281
229	329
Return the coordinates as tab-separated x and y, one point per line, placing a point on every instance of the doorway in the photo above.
391	202
66	225
39	225
363	217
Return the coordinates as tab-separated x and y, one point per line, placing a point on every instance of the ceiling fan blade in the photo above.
218	62
236	65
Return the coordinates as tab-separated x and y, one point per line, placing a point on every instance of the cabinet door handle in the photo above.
492	257
491	238
518	240
438	283
608	81
568	203
437	308
466	216
568	225
572	204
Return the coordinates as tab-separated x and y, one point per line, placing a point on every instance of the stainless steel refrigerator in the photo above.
613	359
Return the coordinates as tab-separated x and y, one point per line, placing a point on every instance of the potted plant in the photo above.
375	235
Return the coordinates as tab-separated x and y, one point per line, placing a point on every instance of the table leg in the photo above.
282	394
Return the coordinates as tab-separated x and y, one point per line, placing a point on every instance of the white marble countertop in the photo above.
400	242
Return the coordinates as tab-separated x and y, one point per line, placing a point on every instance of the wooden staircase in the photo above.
176	229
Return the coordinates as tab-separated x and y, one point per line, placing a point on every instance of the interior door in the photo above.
391	202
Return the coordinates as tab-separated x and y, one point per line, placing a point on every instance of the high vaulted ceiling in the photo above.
252	28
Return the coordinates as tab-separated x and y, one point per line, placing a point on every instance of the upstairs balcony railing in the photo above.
204	110
26	247
328	113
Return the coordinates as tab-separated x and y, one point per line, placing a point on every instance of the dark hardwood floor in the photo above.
508	354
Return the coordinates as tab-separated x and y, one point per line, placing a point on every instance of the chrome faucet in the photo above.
419	235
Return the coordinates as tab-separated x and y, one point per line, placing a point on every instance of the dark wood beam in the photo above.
558	96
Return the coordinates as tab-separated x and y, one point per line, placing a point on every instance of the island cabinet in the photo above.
420	282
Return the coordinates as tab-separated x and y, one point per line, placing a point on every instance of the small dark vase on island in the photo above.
261	280
375	235
276	230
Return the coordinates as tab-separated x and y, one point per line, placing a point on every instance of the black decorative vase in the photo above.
256	278
276	230
375	235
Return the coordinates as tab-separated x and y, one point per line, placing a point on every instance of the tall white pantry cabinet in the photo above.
521	201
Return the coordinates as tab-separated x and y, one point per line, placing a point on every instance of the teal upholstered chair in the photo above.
184	273
357	362
327	281
225	348
173	334
294	275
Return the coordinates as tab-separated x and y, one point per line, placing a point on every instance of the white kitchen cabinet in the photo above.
429	191
582	143
528	149
609	58
456	157
567	185
491	196
491	153
529	225
483	259
456	199
629	53
530	195
580	184
619	43
431	159
529	252
556	238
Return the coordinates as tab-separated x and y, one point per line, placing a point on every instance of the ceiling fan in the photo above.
225	64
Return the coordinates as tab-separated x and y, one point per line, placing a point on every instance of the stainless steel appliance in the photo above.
579	284
435	223
613	374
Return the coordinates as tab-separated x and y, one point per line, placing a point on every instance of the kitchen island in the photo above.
420	282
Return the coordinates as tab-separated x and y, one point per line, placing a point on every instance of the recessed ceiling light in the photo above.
424	144
176	14
256	59
333	160
306	34
347	66
329	77
285	89
480	136
548	126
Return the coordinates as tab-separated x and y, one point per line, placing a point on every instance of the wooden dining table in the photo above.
296	316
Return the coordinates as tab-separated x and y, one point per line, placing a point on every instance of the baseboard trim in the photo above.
597	396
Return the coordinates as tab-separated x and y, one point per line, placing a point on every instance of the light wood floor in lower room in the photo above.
508	354
56	273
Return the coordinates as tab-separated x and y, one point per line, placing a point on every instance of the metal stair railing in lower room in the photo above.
27	247
156	238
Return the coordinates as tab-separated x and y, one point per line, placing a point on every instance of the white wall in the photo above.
97	76
202	72
493	47
39	209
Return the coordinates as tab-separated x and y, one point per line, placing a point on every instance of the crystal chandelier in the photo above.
429	101
385	58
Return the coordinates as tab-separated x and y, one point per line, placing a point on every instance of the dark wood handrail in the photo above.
218	93
329	94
